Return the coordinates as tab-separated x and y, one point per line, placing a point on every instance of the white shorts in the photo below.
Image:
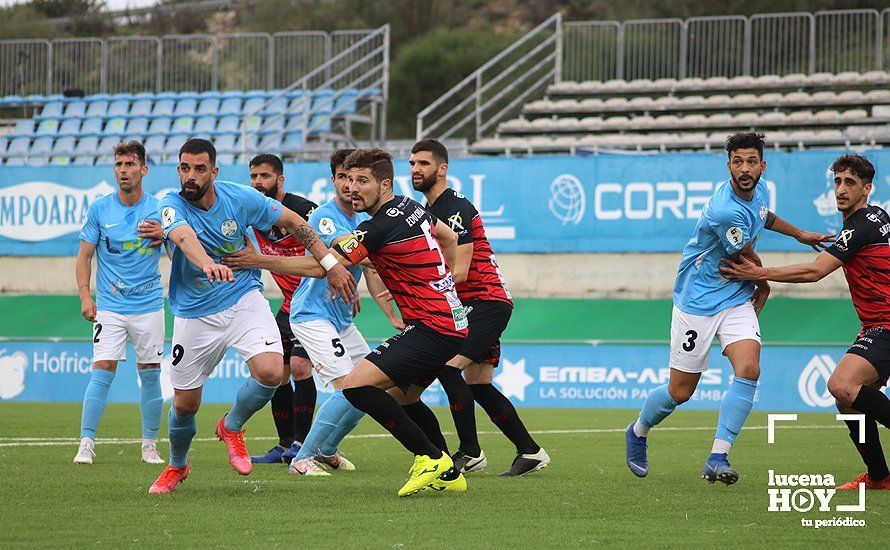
146	331
691	335
200	343
332	354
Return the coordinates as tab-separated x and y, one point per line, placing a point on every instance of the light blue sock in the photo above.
327	420
734	410
150	402
347	423
94	400
659	404
252	396
182	430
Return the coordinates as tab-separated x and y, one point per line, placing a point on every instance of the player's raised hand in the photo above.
246	258
88	309
218	273
819	241
342	282
151	229
744	269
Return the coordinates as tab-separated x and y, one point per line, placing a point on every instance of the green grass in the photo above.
586	498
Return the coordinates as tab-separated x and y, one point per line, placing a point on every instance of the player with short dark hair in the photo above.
489	305
862	250
292	406
706	305
125	230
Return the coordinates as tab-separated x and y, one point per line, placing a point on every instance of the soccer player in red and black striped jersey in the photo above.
484	294
292	406
863	249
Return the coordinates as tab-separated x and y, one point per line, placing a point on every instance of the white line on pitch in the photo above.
55	441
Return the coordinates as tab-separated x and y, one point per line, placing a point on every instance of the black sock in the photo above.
426	420
873	403
504	416
281	414
460	399
381	406
871	451
305	396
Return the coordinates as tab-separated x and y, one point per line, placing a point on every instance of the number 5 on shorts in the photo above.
339	350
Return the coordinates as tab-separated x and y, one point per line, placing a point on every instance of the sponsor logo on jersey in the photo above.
456	222
764	212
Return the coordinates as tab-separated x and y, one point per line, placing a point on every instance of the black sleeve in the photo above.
461	221
298	204
857	233
371	235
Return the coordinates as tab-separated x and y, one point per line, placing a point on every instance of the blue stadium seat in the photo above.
97	108
252	123
225	159
91	126
137	125
41	146
229	106
252	141
64	146
76	108
298	104
52	109
60	161
293	142
270	143
209	94
15	161
159	126
225	142
154	145
4	143
150	96
11	101
182	125
70	127
119	107
83	160
188	94
97	97
48	127
18	146
121	96
23	127
345	102
323	97
106	146
321	122
115	127
134	137
370	92
252	104
87	146
208	106
105	160
141	107
163	107
276	106
272	124
173	144
228	124
185	107
206	124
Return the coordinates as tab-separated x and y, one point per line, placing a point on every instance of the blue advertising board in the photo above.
602	203
570	376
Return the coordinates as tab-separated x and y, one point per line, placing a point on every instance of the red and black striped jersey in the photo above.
275	242
484	280
400	239
863	245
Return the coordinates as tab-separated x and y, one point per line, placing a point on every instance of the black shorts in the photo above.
289	342
873	345
414	356
487	320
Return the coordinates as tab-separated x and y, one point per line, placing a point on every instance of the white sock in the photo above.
640	430
721	446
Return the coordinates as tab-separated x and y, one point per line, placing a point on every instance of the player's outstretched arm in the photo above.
381	296
339	278
82	270
817	270
448	243
816	240
185	238
249	258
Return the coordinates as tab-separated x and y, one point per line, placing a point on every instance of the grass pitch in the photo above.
586	498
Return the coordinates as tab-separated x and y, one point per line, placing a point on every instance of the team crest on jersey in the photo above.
394	212
843	240
764	212
456	222
168	216
326	226
359	235
735	236
229	228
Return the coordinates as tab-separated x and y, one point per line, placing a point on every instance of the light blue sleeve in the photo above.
731	228
328	227
262	211
153	207
90	231
171	213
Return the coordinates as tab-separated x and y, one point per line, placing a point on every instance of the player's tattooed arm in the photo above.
82	270
816	240
185	239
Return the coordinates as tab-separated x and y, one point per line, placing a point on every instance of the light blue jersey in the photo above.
128	280
221	231
726	225
313	300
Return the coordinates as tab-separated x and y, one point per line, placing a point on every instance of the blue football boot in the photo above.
635	452
718	469
274	456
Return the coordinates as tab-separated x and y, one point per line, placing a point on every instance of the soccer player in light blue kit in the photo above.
125	230
707	305
216	309
323	324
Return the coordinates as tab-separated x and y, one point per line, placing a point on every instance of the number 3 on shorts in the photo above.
689	344
339	350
